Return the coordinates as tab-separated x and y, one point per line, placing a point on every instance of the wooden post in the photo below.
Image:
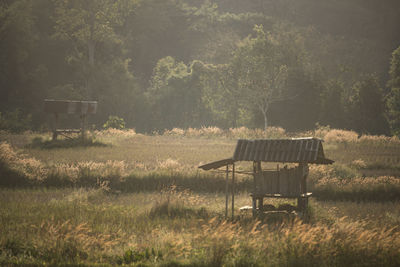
278	180
254	189
302	202
227	191
261	199
83	128
261	204
55	127
254	206
233	190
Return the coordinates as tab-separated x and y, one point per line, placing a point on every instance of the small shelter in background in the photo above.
81	108
287	182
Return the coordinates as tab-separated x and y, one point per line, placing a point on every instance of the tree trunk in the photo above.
264	111
265	121
91	55
235	114
91	47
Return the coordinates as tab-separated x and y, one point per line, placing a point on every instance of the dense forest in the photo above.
160	64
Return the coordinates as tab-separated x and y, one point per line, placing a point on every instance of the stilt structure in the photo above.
286	182
82	108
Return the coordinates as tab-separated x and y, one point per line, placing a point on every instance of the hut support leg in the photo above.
261	204
254	207
233	190
226	191
302	203
83	126
55	127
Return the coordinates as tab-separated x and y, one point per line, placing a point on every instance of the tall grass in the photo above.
75	206
384	188
136	162
235	133
176	228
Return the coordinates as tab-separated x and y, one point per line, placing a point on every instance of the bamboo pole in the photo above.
254	189
55	124
227	191
233	190
83	126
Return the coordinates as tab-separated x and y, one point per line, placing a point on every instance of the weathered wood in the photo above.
226	191
217	164
70	106
233	190
82	108
283	182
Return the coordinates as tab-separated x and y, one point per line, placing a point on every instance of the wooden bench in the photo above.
65	132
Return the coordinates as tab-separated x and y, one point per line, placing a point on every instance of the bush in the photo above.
114	122
15	121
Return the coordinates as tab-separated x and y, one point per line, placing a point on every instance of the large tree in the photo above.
175	95
367	111
89	27
17	42
263	71
393	101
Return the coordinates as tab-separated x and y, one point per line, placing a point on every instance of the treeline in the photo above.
160	64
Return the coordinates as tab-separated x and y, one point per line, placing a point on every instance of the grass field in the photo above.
134	199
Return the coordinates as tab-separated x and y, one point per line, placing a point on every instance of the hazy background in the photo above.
160	64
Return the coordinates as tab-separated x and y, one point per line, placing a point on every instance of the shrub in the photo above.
114	122
15	121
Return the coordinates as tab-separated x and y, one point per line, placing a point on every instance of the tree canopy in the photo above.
160	64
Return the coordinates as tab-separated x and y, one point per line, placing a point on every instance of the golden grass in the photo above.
156	225
92	227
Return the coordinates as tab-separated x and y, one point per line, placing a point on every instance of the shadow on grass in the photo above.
196	183
173	210
11	178
39	143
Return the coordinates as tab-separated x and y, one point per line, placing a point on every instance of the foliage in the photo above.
332	99
110	51
263	72
368	109
114	122
15	121
394	97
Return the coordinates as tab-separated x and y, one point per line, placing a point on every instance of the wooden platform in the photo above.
306	195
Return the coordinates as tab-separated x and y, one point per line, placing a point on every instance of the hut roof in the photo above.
295	150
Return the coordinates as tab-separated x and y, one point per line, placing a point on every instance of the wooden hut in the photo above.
287	182
81	108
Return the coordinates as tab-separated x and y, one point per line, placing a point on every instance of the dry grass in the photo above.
92	220
78	226
383	188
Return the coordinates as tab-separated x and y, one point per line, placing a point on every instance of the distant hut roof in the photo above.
295	150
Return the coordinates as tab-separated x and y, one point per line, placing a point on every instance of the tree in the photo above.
175	95
368	107
263	73
88	26
393	100
18	38
221	93
333	104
